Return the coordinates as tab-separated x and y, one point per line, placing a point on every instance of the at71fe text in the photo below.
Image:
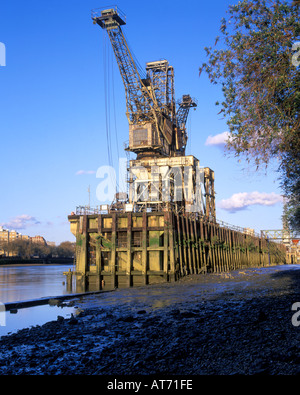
171	384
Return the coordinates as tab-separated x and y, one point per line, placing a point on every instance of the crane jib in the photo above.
155	125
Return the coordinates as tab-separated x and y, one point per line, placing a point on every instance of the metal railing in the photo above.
238	228
106	209
97	12
87	210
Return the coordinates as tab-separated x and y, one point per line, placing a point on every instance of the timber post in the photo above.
130	249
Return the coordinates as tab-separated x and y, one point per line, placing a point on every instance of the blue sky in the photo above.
52	107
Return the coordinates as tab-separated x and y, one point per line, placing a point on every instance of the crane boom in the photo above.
150	102
137	101
161	75
184	108
182	113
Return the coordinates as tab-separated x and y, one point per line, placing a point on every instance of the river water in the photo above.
25	282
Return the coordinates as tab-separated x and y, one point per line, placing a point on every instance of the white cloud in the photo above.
81	172
242	200
219	139
21	222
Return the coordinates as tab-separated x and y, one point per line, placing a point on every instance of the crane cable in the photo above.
114	106
139	68
106	67
107	103
189	133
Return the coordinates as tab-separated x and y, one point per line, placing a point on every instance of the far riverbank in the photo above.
35	261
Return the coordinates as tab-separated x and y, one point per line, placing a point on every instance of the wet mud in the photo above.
216	324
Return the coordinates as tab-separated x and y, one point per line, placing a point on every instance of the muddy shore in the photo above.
216	324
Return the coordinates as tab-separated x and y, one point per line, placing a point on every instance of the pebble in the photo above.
246	333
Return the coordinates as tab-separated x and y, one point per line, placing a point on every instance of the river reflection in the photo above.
30	282
24	282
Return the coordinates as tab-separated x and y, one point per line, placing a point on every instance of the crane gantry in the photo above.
156	127
161	177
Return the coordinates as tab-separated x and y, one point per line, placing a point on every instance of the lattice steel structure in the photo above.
157	133
280	234
150	101
182	114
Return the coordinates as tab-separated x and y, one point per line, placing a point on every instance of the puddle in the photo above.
32	316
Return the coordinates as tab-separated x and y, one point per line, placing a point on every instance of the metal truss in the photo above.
280	234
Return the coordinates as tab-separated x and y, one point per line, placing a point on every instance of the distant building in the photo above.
249	231
6	237
51	243
4	234
38	240
14	235
9	236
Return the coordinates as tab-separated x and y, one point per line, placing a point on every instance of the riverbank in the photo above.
35	261
229	323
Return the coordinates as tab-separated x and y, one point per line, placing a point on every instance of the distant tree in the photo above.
22	248
12	248
3	247
66	249
39	249
258	67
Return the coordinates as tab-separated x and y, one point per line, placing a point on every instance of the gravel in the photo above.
237	323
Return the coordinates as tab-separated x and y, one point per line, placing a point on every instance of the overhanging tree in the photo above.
257	61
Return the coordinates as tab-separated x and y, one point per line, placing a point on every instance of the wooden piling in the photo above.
128	249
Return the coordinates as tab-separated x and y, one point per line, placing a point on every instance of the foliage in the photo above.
26	249
66	249
291	185
259	72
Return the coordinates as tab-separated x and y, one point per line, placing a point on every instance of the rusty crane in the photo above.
162	176
156	128
166	227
